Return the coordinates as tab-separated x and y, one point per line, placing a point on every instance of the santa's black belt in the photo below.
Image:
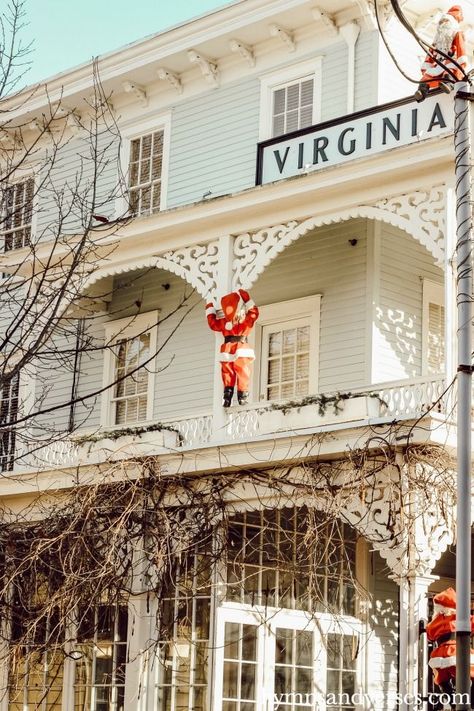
236	339
446	638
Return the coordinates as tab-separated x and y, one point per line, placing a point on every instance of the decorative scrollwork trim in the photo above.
420	214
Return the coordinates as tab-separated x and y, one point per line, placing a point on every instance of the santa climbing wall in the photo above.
239	314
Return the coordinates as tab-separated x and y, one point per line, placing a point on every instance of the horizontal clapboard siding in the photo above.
381	652
66	185
366	71
404	263
325	263
54	386
334	82
214	143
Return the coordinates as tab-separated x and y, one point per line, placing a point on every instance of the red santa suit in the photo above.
442	630
449	39
239	314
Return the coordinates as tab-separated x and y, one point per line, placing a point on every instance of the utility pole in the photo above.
464	392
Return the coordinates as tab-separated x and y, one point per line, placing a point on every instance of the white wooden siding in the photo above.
334	81
53	387
214	143
381	645
404	262
325	263
71	170
366	55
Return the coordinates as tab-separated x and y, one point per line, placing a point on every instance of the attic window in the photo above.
292	106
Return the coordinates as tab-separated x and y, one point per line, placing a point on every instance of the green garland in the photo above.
322	401
125	432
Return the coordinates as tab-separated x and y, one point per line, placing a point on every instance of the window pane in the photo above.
278	125
289	341
279	101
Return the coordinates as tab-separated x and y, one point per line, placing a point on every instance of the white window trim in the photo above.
130	131
433	293
305	307
266	624
273	80
127	328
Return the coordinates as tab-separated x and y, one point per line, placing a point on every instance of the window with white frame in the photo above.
100	659
288	335
9	402
146	173
17	214
290	99
129	369
182	673
283	615
433	339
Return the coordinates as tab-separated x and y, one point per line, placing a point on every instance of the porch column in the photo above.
412	660
141	645
224	286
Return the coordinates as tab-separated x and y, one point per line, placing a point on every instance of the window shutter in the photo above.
436	349
292	107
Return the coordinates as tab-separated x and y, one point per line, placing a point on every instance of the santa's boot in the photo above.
227	398
243	397
422	92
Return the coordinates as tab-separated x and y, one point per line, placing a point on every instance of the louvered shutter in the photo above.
436	350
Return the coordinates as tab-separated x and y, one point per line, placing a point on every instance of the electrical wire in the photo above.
387	47
433	51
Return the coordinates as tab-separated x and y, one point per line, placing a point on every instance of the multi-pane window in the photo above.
294	662
17	212
292	107
130	398
101	655
270	564
239	692
286	359
182	671
145	173
9	400
129	369
341	668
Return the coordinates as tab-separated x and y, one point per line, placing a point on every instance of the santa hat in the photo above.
444	603
231	306
456	11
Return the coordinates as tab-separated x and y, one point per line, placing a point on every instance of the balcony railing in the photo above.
398	400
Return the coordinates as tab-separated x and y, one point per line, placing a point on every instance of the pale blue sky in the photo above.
68	32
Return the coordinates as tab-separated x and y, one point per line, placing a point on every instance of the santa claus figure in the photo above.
235	321
442	631
449	40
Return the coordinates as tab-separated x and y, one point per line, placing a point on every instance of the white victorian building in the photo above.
273	146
